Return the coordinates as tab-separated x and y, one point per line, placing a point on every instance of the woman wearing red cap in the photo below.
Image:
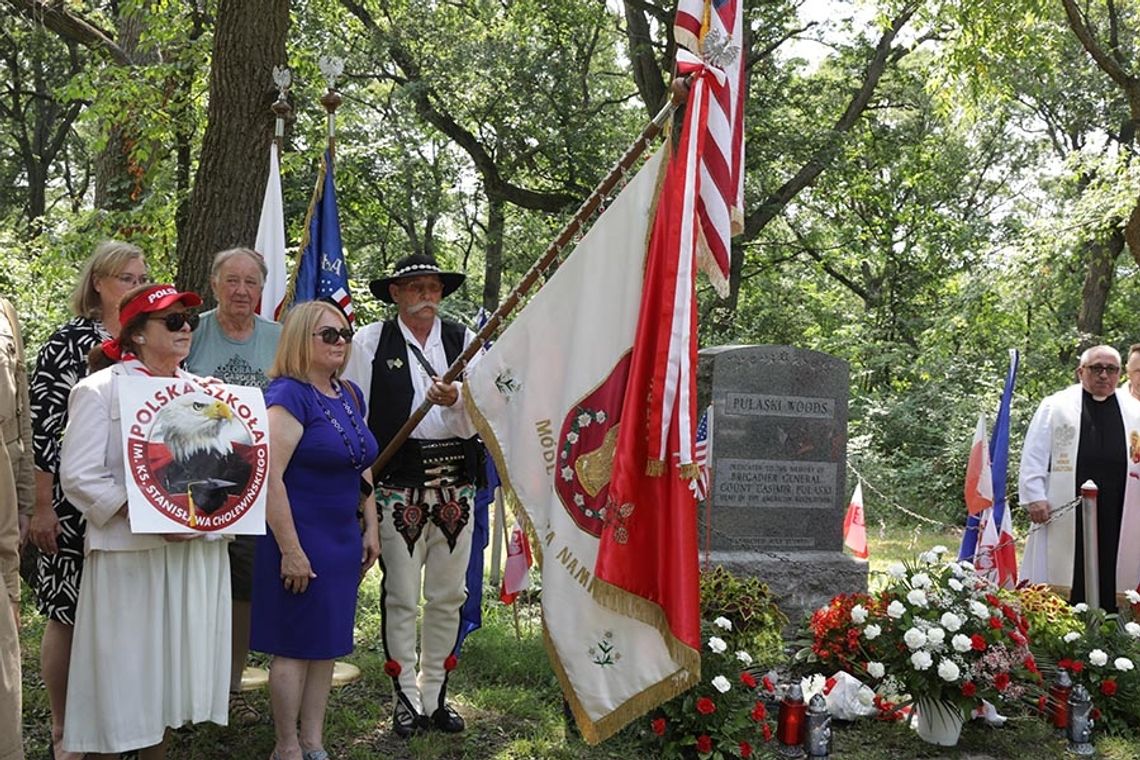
151	643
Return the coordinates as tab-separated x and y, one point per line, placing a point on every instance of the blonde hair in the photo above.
109	259
295	348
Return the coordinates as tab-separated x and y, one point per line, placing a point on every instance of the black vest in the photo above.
391	395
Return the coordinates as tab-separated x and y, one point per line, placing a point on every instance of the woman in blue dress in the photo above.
319	545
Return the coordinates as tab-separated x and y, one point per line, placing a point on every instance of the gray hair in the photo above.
221	257
1088	352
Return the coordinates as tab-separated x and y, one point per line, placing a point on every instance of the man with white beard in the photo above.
1089	431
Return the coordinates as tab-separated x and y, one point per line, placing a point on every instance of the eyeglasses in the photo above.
331	335
1106	369
176	319
424	288
133	280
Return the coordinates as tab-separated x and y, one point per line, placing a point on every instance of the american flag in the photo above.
700	484
713	31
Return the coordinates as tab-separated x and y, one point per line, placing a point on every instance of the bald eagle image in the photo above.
199	431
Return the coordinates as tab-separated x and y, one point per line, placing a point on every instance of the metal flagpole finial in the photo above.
332	68
282	77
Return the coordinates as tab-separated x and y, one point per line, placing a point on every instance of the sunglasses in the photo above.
331	335
176	319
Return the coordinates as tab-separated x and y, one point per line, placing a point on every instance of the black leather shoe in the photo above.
405	720
445	719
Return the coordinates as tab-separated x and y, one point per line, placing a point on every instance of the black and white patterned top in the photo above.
61	363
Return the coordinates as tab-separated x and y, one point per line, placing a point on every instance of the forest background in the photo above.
928	182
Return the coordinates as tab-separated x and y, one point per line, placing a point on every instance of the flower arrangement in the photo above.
937	633
1098	650
722	716
727	714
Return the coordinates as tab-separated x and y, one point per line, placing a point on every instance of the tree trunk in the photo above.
118	180
1102	254
493	267
225	203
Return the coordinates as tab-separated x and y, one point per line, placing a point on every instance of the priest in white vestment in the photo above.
1088	431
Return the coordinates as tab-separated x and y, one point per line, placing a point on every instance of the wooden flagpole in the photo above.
588	207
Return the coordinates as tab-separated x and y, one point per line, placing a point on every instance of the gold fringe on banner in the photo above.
690	471
655	468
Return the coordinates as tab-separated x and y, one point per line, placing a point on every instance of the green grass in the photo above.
505	689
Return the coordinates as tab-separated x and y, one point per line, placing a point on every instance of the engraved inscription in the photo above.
761	404
775	483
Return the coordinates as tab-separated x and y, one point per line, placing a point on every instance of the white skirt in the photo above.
151	647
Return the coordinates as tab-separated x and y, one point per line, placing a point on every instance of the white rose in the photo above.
717	645
872	631
914	638
1123	664
979	610
721	684
950	621
1080	607
744	657
966	565
1132	629
939	550
955	584
920	580
917	597
1070	637
921	660
897	570
1098	657
1132	596
936	636
859	614
961	642
896	609
723	622
876	669
948	670
928	558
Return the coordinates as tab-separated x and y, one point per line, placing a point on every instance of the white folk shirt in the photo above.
440	422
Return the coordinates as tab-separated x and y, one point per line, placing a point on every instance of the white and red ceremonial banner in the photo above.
979	475
855	525
710	33
196	454
516	571
548	400
271	241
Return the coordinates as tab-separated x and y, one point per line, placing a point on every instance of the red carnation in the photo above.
450	663
1076	666
977	643
1042	701
969	689
745	749
768	685
705	706
658	726
759	712
392	669
1001	681
1095	714
1010	615
704	743
748	680
1017	638
766	731
1031	665
1108	687
993	600
995	623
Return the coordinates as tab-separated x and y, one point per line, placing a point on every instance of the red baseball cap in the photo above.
157	298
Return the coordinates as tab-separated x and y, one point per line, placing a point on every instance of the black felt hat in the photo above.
416	265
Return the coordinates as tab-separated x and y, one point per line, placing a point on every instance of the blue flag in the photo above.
322	271
999	464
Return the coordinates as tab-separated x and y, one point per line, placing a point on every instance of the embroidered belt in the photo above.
429	464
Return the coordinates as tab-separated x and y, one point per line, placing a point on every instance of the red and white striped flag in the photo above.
979	475
712	32
516	573
855	525
271	241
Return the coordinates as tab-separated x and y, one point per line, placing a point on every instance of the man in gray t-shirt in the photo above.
235	345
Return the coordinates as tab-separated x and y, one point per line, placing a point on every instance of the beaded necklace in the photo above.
356	456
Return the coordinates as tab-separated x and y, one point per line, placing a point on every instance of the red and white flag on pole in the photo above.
979	476
516	572
855	525
271	240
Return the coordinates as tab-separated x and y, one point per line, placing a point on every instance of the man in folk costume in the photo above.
426	492
1088	431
